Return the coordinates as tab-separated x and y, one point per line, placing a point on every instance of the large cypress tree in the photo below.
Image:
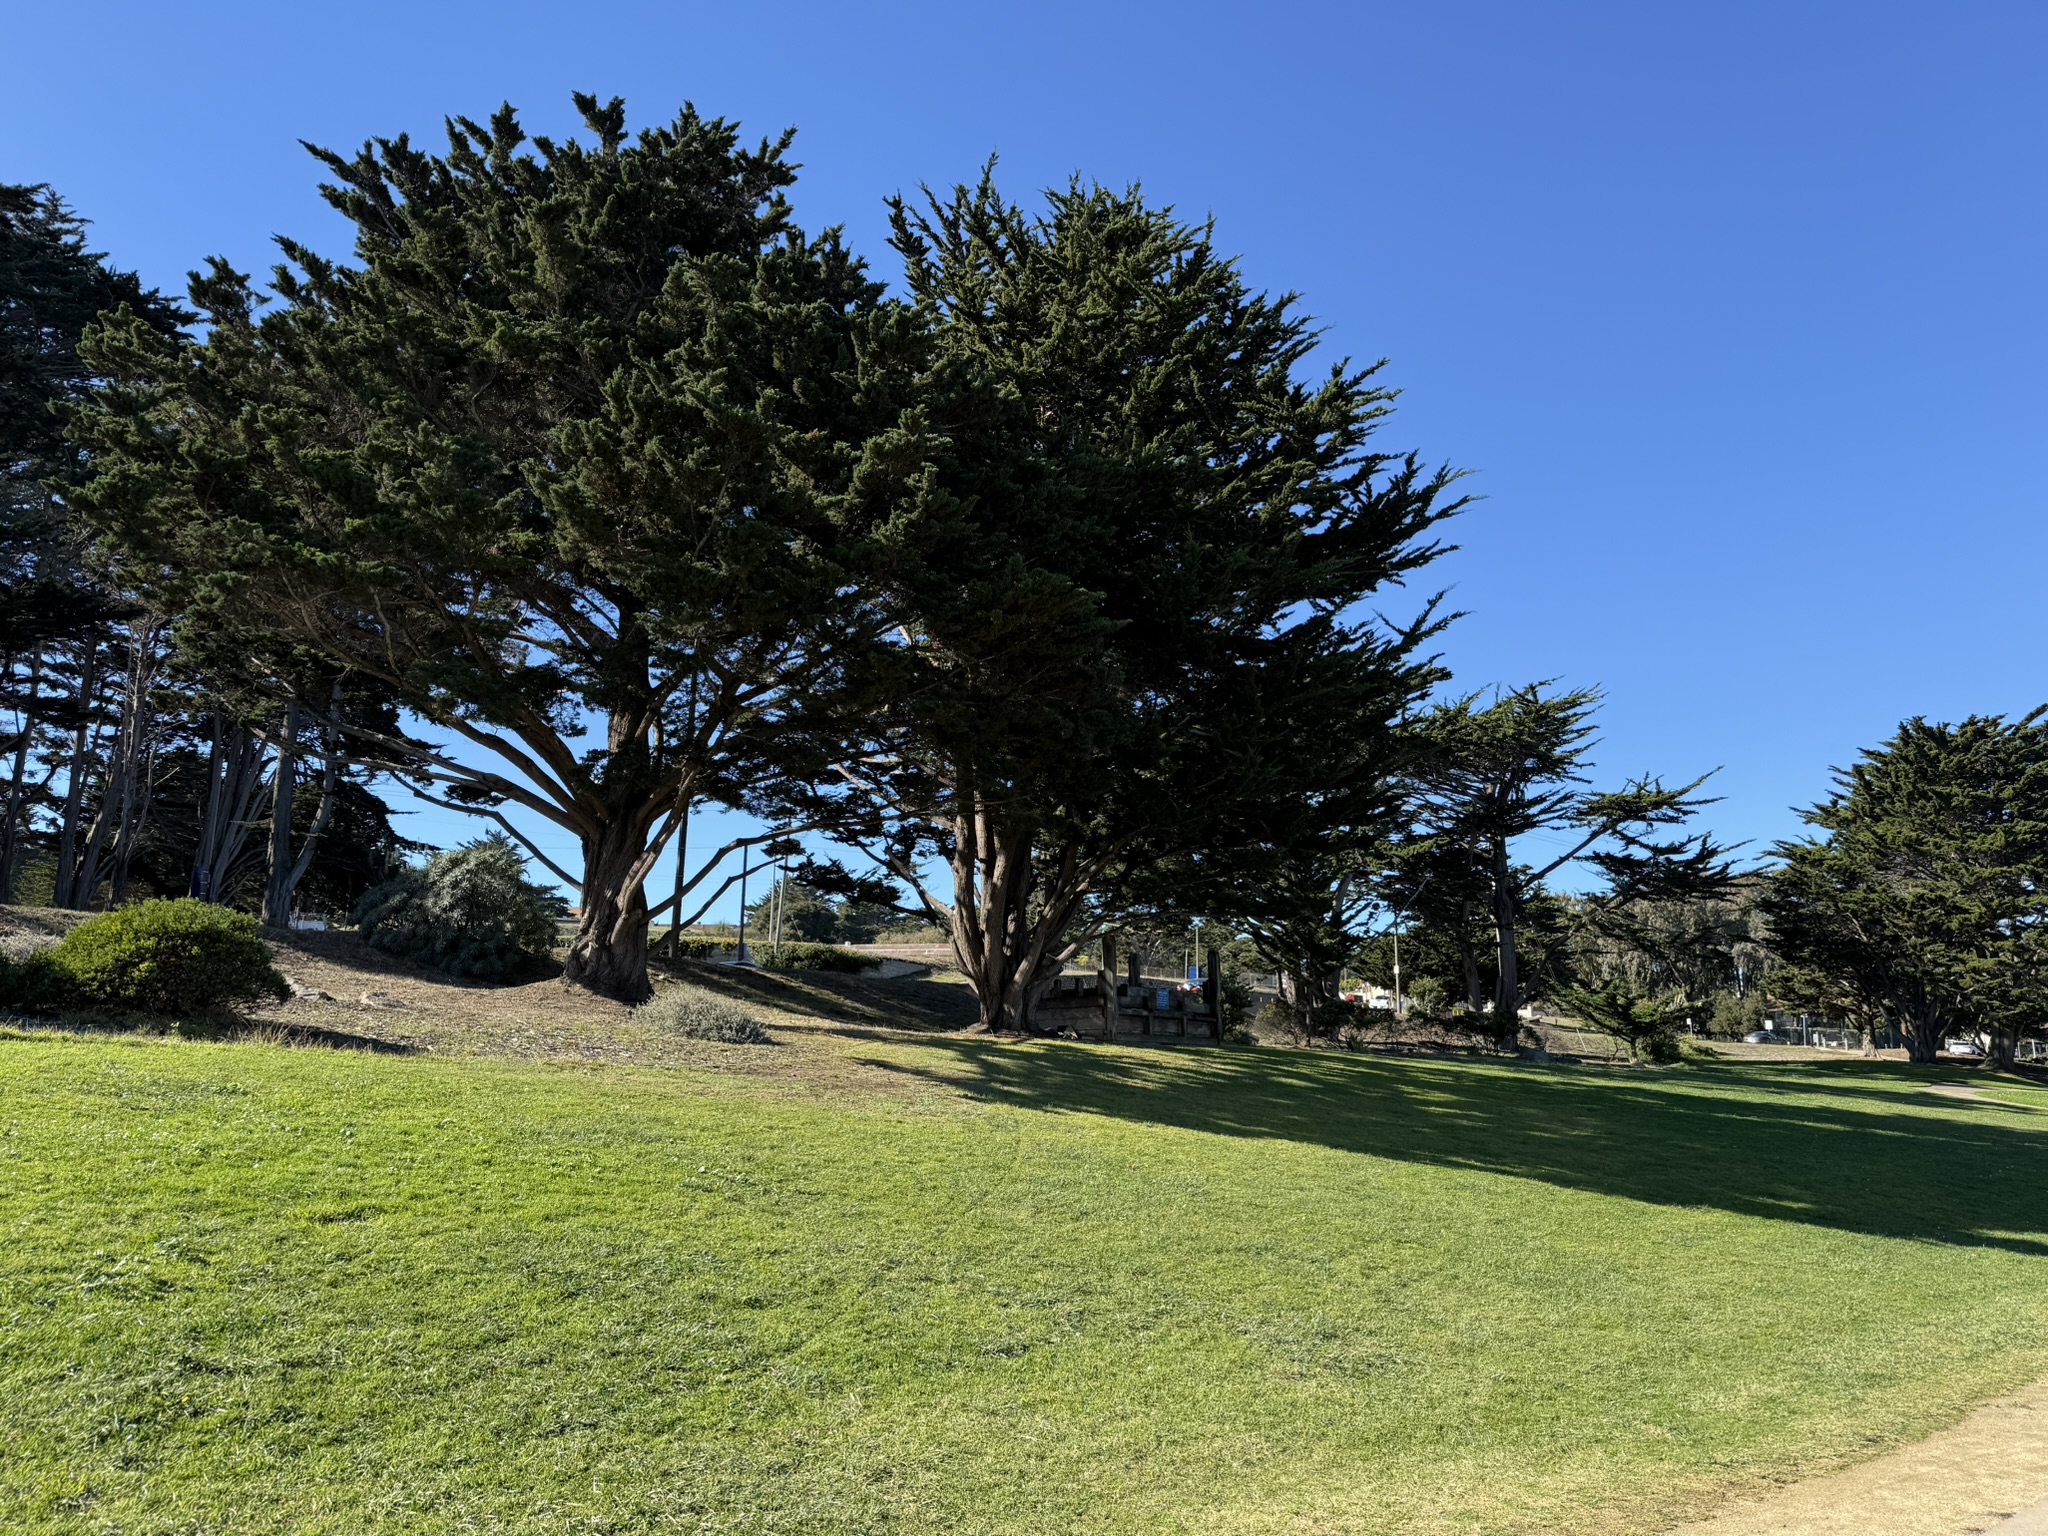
1125	619
1922	900
561	459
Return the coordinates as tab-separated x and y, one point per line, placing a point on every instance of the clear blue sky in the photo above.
1736	312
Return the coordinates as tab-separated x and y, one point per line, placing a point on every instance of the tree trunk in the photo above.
17	783
1507	984
1010	954
609	952
992	885
82	738
1475	994
1923	1033
231	805
276	912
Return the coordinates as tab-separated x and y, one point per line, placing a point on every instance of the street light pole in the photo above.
1400	1009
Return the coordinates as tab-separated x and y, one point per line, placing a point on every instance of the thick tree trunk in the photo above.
1008	933
1923	1033
609	952
991	892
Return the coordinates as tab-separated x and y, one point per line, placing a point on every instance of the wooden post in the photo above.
1138	996
1106	979
1212	991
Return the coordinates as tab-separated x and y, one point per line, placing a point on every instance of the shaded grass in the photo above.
1052	1288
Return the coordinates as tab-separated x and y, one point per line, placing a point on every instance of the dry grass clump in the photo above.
695	1014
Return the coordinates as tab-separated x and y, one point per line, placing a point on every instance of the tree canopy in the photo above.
1922	903
562	460
1127	624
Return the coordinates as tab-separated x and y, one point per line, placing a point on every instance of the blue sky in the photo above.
1736	312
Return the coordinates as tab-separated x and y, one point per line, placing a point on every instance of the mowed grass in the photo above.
1003	1289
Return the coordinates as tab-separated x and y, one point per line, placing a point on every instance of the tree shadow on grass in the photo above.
1788	1143
917	1003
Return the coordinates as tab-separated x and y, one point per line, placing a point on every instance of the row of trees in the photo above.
1916	909
596	487
1920	904
595	490
130	767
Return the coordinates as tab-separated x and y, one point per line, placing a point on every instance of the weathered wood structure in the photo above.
1129	1007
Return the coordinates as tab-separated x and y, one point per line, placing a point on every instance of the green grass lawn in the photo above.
1003	1289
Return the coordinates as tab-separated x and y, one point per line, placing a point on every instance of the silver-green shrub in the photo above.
696	1014
470	912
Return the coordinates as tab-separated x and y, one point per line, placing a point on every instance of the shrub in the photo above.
1277	1018
470	912
697	947
1662	1047
1733	1017
33	984
1428	997
696	1014
181	956
822	957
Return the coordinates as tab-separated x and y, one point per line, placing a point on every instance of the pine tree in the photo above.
1497	771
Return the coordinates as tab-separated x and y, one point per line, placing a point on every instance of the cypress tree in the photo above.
561	460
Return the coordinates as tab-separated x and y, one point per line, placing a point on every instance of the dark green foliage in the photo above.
58	620
1498	770
51	289
809	914
167	957
469	912
33	984
696	1014
1734	1016
1647	1022
1663	1047
1923	906
821	957
1133	601
577	435
696	947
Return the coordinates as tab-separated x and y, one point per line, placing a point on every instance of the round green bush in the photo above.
170	957
470	912
31	984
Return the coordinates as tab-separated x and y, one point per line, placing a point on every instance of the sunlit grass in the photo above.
1050	1289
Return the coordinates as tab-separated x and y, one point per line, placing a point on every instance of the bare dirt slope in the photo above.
346	993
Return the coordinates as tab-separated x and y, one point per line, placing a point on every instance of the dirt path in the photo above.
1986	1474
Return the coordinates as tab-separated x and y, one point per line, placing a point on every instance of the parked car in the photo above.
1962	1048
1765	1037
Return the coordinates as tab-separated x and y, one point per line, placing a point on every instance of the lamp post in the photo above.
1400	1007
742	957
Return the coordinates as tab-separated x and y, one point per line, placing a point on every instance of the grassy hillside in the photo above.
878	1283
